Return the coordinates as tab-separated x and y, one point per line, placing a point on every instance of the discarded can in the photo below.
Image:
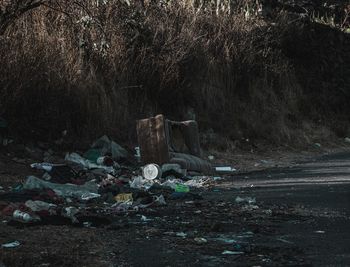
151	172
24	217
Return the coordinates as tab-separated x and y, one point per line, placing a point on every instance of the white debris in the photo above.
11	245
139	182
249	200
229	252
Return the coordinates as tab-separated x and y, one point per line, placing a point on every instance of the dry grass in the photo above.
95	70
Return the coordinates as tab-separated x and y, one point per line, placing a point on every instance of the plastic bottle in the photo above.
24	217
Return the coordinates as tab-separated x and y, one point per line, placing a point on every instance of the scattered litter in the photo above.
100	187
250	207
172	183
87	224
320	232
151	172
11	245
181	234
70	212
43	166
225	169
229	252
284	241
199	181
105	160
160	201
245	235
233	239
124	197
211	157
85	189
182	188
87	164
83	192
89	196
225	240
145	219
141	183
60	173
122	207
200	240
38	205
317	145
25	217
249	200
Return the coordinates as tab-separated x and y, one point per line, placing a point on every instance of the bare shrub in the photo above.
93	67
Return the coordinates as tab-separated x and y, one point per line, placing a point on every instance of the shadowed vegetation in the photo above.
244	70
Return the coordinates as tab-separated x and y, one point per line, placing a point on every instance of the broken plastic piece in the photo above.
229	252
70	212
145	219
181	188
181	234
11	245
225	169
249	200
141	183
38	205
89	196
160	200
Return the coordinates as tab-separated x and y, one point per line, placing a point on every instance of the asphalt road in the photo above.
322	189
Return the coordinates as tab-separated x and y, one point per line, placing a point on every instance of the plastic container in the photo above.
151	172
24	217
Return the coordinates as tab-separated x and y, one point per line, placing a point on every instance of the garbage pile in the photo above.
88	190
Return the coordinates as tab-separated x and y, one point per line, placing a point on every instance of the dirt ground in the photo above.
212	230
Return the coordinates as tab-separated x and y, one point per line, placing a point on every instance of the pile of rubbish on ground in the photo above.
105	181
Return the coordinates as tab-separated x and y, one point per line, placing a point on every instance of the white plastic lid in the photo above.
151	171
